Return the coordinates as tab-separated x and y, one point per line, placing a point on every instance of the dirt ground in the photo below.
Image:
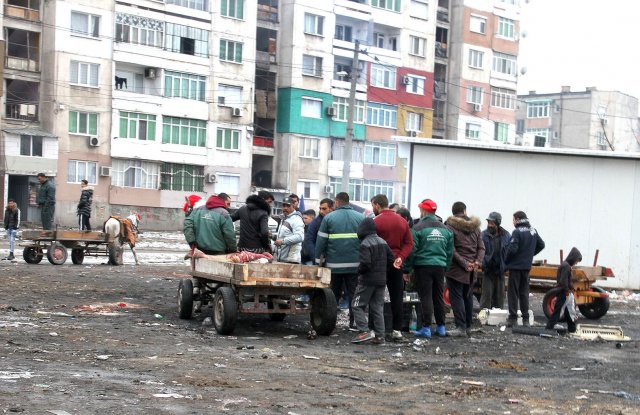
86	339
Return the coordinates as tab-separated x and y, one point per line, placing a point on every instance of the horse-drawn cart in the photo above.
258	288
56	243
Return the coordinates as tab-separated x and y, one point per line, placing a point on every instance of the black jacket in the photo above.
11	218
525	243
564	271
375	255
254	223
493	262
86	199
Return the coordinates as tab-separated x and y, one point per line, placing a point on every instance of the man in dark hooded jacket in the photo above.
84	206
495	237
565	282
254	223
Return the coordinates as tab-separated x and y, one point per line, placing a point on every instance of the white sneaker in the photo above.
396	335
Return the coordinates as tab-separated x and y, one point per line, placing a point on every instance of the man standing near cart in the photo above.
47	201
290	234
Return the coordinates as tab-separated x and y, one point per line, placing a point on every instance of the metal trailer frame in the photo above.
56	243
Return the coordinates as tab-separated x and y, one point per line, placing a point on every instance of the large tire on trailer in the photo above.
225	310
115	254
77	256
549	303
185	299
57	253
597	308
32	255
324	311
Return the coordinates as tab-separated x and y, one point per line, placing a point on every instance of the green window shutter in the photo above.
238	57
235	137
123	127
219	138
167	86
151	130
175	134
397	5
184	135
73	122
193	136
93	124
223	49
240	13
202	137
166	133
223	7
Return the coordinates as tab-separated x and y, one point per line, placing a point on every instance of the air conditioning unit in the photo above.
328	189
331	112
406	80
150	73
477	107
105	171
413	133
94	142
236	112
211	178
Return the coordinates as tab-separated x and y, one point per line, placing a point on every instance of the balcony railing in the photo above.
21	13
441	50
28	112
443	16
264	59
262	141
22	64
439	89
267	13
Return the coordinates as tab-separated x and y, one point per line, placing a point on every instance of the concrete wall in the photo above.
585	200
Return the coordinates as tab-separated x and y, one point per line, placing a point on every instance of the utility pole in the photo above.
348	140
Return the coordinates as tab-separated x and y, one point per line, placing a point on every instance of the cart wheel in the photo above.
549	303
57	253
324	311
225	310
275	316
597	308
185	299
77	256
115	254
32	255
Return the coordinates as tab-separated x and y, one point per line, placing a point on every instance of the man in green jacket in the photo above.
338	247
209	229
431	256
47	201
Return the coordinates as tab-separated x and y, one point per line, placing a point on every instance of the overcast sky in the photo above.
580	43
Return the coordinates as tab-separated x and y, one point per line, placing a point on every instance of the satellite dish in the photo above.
523	70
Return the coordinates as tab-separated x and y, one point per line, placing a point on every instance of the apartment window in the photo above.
308	189
78	170
232	8
337	151
342	109
519	126
131	81
311	107
383	154
472	130
504	63
370	188
501	132
538	109
308	147
230	51
414	121
228	139
191	4
229	95
85	123
419	9
476	58
474	95
539	141
539	132
135	173
600	140
503	98
378	40
84	73
184	85
228	183
415	85
187	40
417	45
313	24
85	24
478	24
311	65
31	145
138	126
344	32
393	5
506	27
182	177
184	131
381	115
383	76
139	30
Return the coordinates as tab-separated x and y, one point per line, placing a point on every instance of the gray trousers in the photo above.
372	296
492	291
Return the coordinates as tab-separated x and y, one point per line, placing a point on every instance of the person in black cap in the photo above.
495	237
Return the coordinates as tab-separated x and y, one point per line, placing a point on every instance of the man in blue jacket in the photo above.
495	237
525	243
311	233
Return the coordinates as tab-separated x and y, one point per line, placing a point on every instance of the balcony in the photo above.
26	9
439	89
268	12
21	111
441	50
21	64
23	50
262	141
22	100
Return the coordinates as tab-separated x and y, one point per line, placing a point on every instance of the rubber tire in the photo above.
275	316
57	253
597	308
324	311
32	255
185	299
225	310
77	256
549	301
115	254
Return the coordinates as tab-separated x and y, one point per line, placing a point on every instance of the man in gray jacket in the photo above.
290	234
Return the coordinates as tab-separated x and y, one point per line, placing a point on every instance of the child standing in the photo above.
375	257
565	282
11	225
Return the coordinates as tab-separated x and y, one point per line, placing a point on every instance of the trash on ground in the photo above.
310	357
506	365
473	383
103	356
168	395
578	369
53	334
597	332
498	316
207	321
291	336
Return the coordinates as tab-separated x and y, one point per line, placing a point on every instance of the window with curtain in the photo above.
228	139
232	8
184	85
230	51
78	170
184	131
137	125
182	177
85	123
135	173
85	24
84	73
229	95
311	107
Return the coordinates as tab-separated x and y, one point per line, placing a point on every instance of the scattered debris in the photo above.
312	335
581	397
514	401
158	316
291	336
596	332
168	395
207	322
103	356
506	365
473	382
58	412
310	357
6	375
438	350
53	334
578	369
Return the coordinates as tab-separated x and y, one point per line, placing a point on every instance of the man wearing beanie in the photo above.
495	237
525	243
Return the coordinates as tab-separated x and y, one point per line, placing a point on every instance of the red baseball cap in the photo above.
428	205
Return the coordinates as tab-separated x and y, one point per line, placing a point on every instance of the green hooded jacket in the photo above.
432	244
210	230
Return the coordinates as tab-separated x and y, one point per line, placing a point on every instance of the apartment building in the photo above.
589	119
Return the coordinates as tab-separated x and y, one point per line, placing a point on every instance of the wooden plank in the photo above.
283	270
38	235
80	236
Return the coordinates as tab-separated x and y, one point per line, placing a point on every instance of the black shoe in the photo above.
512	322
11	257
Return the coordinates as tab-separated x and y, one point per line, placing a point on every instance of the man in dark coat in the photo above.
565	282
525	243
495	237
84	206
311	234
47	201
468	252
254	223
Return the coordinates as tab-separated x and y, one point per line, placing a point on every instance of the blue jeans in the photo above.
11	234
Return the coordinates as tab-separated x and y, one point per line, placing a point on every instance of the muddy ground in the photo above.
86	339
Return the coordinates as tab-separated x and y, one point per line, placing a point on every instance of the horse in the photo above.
113	227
